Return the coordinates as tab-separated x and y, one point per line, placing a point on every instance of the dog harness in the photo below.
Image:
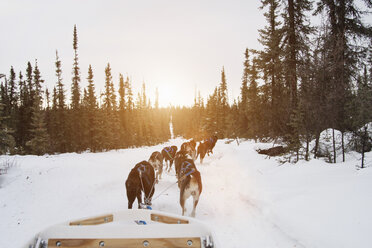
187	169
168	150
142	172
210	140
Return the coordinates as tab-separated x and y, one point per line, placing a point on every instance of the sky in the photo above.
179	47
175	46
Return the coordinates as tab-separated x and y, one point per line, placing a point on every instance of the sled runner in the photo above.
129	229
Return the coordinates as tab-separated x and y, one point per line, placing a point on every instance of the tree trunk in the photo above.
363	147
343	146
317	137
307	149
334	145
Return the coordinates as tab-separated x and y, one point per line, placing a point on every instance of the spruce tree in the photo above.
270	64
122	111
12	107
115	125
129	96
54	124
346	26
22	119
75	99
222	107
210	123
130	120
122	93
95	135
362	115
29	87
7	142
253	109
75	87
39	142
296	31
243	103
111	123
62	134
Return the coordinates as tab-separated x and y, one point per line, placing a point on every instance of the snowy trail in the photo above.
227	204
247	199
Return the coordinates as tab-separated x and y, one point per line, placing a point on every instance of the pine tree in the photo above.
111	122
130	122
62	134
22	120
129	99
76	131
12	105
29	87
7	142
346	26
362	115
310	101
270	63
122	111
115	125
48	117
253	104
296	124
122	93
243	104
39	142
296	42
75	88
107	104
210	123
54	125
94	133
223	106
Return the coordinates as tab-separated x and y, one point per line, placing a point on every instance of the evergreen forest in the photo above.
305	79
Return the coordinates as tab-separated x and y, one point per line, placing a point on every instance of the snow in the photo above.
249	200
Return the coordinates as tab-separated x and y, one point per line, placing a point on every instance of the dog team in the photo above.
145	174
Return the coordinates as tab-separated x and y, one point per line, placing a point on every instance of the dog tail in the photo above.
197	176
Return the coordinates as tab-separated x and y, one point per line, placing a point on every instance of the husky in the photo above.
189	182
156	160
206	147
140	178
189	148
169	153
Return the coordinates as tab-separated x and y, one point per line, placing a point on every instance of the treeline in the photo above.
305	79
38	121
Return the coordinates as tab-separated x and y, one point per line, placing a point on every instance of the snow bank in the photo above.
248	199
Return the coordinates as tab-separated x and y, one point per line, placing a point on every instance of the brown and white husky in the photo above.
189	182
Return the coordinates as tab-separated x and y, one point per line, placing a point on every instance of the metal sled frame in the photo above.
128	229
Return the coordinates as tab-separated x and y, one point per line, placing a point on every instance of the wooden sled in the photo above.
128	229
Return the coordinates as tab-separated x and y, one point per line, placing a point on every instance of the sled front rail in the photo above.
128	229
127	243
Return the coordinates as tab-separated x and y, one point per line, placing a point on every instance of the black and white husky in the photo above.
156	160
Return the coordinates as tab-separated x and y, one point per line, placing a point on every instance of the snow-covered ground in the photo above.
249	200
